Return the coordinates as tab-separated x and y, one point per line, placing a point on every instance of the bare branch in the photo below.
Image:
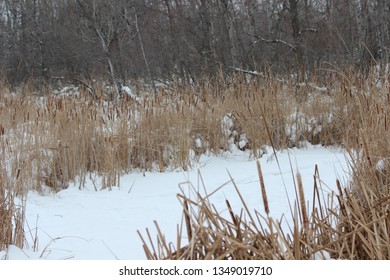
272	41
307	30
254	73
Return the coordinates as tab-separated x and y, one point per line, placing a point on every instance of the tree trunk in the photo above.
229	22
143	52
296	27
105	47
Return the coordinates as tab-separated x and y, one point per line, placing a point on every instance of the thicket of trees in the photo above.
157	40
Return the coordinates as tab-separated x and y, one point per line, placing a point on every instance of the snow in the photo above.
198	142
89	224
227	125
243	141
380	165
127	90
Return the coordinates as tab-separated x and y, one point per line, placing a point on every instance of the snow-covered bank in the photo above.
85	224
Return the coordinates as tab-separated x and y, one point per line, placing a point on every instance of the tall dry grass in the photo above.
355	225
50	139
247	235
59	138
363	219
12	207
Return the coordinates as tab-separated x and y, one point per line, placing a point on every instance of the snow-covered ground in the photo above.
89	224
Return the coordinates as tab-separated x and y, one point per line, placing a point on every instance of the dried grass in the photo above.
356	227
213	236
49	140
11	210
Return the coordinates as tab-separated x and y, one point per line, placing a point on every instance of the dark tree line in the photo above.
160	40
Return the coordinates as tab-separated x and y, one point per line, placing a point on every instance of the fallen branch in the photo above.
307	30
254	73
271	41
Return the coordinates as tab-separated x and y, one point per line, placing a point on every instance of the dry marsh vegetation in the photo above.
11	209
48	140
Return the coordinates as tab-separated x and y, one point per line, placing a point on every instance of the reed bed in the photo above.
50	138
11	209
247	235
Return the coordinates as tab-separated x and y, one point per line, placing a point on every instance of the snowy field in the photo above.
89	224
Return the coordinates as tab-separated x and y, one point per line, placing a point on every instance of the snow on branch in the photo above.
307	30
254	73
270	41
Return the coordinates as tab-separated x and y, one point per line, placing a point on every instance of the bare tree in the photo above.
159	40
98	16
